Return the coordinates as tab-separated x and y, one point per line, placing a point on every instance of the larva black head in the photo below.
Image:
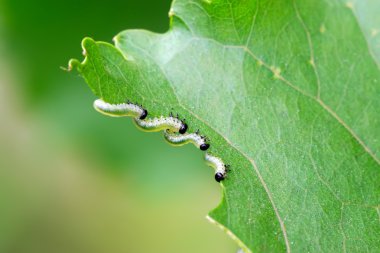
183	128
219	176
204	146
144	114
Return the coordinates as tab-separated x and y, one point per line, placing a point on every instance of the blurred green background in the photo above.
72	180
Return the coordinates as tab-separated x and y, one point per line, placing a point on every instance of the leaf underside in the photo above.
288	93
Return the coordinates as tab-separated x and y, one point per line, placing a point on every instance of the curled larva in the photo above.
120	110
170	123
219	166
195	138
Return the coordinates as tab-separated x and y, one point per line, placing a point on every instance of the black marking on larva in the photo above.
204	146
183	128
144	114
219	177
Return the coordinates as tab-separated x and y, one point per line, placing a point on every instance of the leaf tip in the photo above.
73	63
87	42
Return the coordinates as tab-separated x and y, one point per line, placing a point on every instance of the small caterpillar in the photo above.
221	169
120	110
151	125
170	124
195	138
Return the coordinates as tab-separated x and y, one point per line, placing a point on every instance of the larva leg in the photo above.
120	110
218	165
171	124
179	140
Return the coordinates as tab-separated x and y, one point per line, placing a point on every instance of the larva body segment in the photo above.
171	124
218	165
179	140
120	110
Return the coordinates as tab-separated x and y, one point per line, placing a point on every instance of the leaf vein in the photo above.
311	48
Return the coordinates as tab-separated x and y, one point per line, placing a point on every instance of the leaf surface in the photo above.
288	93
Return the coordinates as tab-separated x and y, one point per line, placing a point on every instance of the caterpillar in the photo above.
221	169
179	140
171	125
151	125
120	110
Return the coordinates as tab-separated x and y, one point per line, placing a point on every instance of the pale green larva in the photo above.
219	166
178	140
120	110
170	123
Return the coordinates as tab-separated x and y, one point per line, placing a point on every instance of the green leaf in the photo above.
367	13
289	95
